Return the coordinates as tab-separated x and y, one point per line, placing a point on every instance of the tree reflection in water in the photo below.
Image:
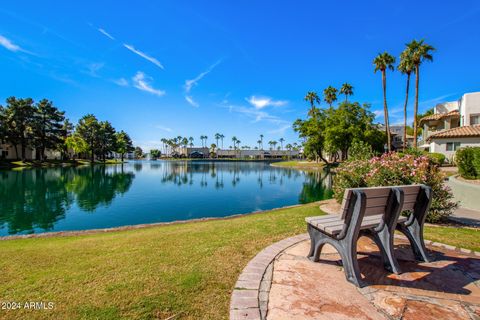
317	186
38	198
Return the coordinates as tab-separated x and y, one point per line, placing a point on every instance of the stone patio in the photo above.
448	288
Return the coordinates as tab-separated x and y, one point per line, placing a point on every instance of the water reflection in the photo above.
38	198
317	185
88	197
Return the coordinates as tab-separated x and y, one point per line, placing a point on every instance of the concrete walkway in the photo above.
468	196
466	216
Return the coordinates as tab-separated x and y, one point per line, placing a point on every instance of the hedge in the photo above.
468	162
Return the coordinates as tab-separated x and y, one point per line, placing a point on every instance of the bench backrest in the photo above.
377	198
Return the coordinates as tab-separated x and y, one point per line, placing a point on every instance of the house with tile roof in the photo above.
453	125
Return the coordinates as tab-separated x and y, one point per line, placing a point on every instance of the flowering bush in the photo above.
394	169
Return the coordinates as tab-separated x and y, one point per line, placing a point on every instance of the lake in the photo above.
138	192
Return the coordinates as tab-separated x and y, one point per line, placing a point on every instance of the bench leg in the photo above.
348	251
317	241
384	240
311	231
415	235
347	248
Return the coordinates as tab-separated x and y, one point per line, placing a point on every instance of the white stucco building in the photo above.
453	125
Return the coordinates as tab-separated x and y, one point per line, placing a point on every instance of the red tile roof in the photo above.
439	116
459	132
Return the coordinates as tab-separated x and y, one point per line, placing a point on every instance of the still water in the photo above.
82	198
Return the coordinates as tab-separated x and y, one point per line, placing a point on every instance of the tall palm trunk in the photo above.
16	151
415	109
405	113
385	108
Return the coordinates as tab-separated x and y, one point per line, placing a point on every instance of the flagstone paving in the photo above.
448	288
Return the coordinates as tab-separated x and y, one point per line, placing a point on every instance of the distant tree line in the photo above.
171	145
26	124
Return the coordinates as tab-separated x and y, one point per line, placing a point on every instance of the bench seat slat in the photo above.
334	224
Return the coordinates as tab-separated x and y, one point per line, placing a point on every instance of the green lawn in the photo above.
152	272
299	164
468	238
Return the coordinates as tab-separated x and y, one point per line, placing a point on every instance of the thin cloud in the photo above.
9	45
192	102
189	84
280	130
167	129
144	55
121	82
142	81
432	102
262	102
257	115
378	113
105	33
93	68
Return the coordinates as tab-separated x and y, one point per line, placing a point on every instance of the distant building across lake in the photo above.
203	152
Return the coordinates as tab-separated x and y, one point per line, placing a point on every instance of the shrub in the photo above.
394	169
468	162
437	158
360	150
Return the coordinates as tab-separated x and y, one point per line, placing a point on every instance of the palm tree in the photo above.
234	140
259	144
205	137
405	67
281	142
272	144
330	95
346	90
313	98
261	141
217	137
221	139
383	62
289	148
163	140
185	142
191	141
420	52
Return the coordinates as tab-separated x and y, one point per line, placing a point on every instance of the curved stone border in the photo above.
247	301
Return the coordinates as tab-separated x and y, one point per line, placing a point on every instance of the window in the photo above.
474	119
453	146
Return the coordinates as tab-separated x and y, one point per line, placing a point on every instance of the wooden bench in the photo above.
381	216
381	207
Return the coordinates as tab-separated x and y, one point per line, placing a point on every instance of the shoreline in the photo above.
300	165
71	233
19	164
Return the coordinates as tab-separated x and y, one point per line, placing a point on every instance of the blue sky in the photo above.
166	68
